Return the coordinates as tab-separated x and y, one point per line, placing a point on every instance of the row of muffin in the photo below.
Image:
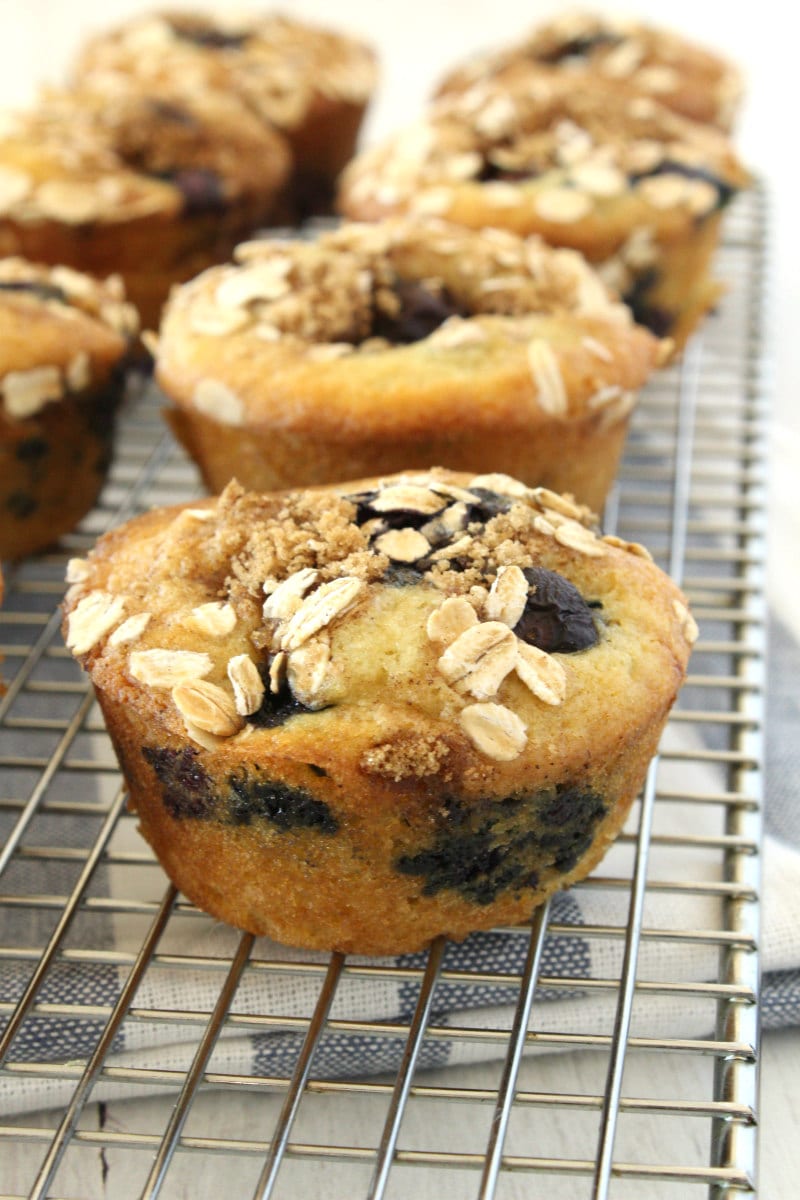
420	337
360	716
182	134
600	135
468	314
298	81
176	137
372	349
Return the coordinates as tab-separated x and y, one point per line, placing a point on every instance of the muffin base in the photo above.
673	299
377	870
53	466
152	253
579	457
322	145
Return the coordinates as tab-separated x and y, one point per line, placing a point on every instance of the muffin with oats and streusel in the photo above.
312	85
356	718
64	338
153	187
636	188
636	58
401	344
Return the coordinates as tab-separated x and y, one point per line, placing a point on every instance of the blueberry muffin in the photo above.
401	344
359	717
64	338
636	188
115	180
312	85
637	58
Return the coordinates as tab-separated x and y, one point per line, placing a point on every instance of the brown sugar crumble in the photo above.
347	291
270	579
303	530
408	756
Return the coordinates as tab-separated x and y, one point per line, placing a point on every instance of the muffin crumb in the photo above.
408	756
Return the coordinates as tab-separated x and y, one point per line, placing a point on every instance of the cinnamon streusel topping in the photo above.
287	573
572	149
364	287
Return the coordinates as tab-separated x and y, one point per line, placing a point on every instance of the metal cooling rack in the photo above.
582	1113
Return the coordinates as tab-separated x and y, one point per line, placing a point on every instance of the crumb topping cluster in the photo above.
276	65
285	573
366	287
574	150
651	61
63	293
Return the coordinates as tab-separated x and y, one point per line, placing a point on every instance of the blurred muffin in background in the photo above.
63	342
154	188
638	58
636	188
310	84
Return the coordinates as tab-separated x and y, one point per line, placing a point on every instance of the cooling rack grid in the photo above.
613	1053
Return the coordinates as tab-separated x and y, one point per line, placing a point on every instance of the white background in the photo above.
416	41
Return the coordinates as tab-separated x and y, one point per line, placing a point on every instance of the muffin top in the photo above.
352	287
636	57
350	316
429	623
538	154
60	332
113	152
278	66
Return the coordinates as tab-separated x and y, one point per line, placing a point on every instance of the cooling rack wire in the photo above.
639	1108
